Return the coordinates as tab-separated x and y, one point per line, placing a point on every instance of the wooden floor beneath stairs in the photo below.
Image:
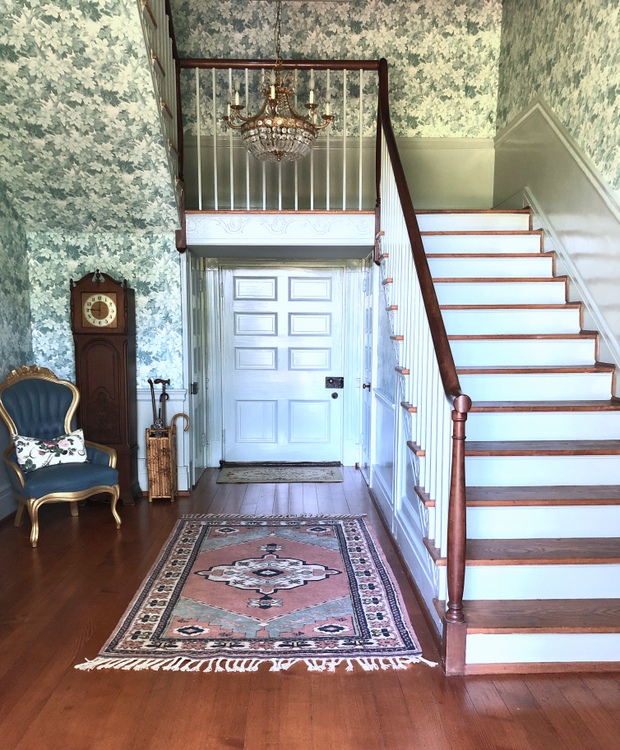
60	602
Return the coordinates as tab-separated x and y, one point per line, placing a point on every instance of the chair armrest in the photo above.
100	454
16	476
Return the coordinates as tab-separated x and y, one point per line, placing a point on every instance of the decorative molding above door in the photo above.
280	228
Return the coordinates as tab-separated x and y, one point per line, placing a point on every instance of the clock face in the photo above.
99	310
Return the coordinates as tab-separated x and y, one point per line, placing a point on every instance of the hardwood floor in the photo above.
59	603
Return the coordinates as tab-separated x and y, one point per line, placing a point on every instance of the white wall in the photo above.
537	163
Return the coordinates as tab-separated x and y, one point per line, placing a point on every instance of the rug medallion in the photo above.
230	592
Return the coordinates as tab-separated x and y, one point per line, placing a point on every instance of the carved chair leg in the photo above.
74	509
115	495
33	510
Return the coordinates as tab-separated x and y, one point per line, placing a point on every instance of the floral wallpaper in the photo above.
151	265
568	52
15	340
81	147
443	54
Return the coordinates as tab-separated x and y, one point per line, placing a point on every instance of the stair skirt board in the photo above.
541	648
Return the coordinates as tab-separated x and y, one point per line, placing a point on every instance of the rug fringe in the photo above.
284	516
227	664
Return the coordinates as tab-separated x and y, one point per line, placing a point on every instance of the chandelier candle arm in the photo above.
278	132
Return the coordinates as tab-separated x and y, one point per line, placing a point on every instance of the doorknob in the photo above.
366	385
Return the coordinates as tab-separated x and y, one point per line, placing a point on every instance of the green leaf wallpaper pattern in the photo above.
15	336
568	52
81	147
443	54
152	267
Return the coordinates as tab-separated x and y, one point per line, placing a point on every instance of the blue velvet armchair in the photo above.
37	404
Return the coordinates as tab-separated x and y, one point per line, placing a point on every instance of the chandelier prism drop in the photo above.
278	132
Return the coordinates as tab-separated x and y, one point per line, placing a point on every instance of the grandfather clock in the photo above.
104	334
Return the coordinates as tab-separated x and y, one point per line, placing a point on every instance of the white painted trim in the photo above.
538	164
576	278
442	144
326	229
581	160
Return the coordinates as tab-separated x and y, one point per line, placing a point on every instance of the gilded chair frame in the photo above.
32	504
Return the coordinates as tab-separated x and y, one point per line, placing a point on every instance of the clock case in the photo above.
105	374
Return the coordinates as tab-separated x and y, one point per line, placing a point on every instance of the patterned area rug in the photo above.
278	474
231	592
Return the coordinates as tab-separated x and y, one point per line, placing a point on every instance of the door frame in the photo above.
352	349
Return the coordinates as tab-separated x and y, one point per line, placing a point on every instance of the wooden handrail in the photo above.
454	619
199	62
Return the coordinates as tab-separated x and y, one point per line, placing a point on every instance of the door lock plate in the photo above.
334	382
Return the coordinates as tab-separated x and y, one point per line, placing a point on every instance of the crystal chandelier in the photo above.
278	132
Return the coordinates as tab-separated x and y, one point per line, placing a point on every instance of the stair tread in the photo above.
518	336
612	404
481	232
498	279
572	551
515	306
540	369
537	615
602	494
543	551
462	256
541	447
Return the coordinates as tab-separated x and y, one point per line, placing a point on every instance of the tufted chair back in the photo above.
39	405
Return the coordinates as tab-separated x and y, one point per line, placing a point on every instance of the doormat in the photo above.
229	593
278	473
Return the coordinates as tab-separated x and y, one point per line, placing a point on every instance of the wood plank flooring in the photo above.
60	602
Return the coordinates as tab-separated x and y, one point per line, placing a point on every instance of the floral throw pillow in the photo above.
33	453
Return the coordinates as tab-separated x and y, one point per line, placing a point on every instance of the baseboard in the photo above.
542	668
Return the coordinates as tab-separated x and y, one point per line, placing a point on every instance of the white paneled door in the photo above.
281	341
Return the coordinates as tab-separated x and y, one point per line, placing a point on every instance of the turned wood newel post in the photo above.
454	625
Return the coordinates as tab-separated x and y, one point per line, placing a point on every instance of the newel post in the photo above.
455	628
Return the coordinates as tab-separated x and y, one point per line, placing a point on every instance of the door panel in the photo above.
281	337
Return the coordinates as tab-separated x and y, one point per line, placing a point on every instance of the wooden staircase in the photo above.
542	585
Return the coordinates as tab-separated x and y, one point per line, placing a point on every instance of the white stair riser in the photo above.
493	320
491	267
542	581
473	222
542	521
501	292
493	244
471	353
544	425
549	471
536	387
515	648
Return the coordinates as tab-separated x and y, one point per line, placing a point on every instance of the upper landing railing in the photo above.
161	47
337	175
